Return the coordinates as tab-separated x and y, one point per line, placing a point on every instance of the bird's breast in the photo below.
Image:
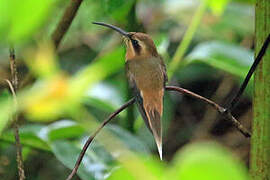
146	73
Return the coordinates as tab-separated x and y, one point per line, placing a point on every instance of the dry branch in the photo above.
226	114
65	21
220	109
90	139
13	85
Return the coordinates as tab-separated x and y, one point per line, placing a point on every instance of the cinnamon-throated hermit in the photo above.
146	73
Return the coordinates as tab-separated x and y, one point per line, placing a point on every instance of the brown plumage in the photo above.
147	76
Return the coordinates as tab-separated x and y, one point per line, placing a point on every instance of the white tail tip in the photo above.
160	150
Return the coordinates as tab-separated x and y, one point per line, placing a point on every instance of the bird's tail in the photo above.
154	119
153	107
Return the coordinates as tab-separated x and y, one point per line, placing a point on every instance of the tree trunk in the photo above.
260	141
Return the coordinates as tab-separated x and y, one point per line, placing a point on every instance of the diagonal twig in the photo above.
13	85
220	109
65	21
226	114
250	72
90	139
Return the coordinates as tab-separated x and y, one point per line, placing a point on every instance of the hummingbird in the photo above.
146	73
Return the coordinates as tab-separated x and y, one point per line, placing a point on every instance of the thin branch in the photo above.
13	68
90	139
220	109
13	85
250	72
192	94
12	92
227	115
65	21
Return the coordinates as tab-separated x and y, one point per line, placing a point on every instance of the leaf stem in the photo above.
184	44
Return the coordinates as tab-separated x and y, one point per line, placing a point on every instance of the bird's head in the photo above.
139	45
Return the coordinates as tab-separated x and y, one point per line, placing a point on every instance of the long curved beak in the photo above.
121	31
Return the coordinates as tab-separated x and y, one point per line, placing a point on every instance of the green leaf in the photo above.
100	152
118	9
97	153
64	129
4	16
7	110
98	103
230	58
132	142
121	174
61	129
228	23
206	161
104	96
20	19
137	168
218	6
104	66
27	16
4	95
90	168
28	136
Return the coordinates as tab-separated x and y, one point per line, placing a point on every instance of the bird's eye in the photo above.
135	43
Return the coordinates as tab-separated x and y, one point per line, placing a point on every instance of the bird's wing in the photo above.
149	101
137	94
163	69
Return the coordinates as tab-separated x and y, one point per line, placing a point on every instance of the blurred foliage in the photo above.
118	9
218	7
14	27
205	161
234	59
64	95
